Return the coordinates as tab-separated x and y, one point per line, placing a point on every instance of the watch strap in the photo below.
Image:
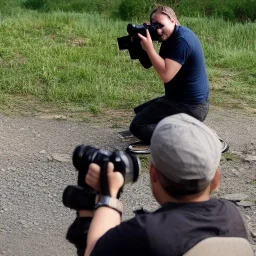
110	202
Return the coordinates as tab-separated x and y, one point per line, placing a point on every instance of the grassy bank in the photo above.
72	60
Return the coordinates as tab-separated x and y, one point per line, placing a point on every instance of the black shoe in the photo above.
138	147
225	146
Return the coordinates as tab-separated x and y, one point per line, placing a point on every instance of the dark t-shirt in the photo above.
172	230
190	84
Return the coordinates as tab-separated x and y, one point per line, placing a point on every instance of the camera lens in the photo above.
127	164
135	29
76	197
83	156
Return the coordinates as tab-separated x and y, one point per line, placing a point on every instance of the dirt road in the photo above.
36	167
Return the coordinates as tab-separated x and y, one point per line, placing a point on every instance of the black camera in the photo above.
132	41
82	196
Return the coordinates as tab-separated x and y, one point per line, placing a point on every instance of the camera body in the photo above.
132	41
82	197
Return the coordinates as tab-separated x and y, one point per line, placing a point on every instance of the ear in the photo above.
215	183
153	173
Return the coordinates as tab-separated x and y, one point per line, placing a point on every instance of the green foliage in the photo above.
96	6
233	10
9	7
74	58
106	7
132	9
35	4
70	58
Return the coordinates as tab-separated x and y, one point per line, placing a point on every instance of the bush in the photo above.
107	7
245	10
35	4
233	10
10	7
134	9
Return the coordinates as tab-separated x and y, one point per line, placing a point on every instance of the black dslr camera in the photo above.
82	196
132	41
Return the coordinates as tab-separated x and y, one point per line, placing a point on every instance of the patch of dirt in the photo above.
33	218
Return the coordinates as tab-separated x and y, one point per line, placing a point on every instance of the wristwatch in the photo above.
110	202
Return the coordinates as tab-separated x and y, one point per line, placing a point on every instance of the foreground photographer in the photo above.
181	66
185	155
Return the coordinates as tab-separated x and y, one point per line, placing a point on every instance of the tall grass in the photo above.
73	58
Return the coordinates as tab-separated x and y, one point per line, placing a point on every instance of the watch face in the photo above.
110	202
104	200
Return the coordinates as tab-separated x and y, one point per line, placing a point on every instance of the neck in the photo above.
200	197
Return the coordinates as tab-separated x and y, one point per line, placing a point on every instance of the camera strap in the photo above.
104	178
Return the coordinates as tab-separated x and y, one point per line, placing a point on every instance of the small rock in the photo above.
248	218
49	158
235	197
250	158
253	233
60	117
246	203
23	222
235	172
42	152
61	157
12	169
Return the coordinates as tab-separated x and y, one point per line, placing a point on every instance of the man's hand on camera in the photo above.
115	179
105	216
146	42
93	177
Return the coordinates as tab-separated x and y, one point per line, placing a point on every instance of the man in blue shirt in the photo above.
181	66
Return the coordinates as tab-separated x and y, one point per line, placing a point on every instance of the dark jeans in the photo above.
150	113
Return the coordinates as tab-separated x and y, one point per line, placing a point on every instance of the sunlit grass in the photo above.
74	58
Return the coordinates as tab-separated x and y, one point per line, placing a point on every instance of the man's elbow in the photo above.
166	78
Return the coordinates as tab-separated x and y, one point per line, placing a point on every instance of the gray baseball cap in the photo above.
184	149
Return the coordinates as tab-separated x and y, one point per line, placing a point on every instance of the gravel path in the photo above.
36	167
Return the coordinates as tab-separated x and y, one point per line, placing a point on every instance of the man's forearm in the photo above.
104	219
158	63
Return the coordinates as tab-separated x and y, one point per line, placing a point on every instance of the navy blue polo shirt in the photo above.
190	85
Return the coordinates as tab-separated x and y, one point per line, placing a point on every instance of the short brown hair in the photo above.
168	11
184	188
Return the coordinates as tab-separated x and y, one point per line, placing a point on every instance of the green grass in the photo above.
229	156
72	60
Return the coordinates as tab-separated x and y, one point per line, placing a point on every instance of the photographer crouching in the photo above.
185	156
180	65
